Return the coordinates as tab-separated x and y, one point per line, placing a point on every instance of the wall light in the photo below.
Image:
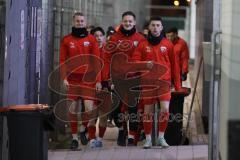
176	3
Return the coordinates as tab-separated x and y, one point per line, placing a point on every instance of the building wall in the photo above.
230	83
2	46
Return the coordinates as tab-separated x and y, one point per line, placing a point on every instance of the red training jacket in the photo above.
73	47
182	53
162	54
105	71
119	43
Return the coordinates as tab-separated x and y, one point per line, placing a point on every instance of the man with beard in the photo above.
157	49
75	48
124	41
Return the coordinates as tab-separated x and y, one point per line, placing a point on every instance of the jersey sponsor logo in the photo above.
86	43
135	43
163	49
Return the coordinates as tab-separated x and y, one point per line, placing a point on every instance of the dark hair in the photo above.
78	14
91	27
146	26
155	18
110	31
129	13
111	28
172	30
97	29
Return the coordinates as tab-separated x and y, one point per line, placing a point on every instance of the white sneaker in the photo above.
93	143
162	142
98	144
147	144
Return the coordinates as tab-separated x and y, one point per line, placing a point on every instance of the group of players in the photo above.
141	69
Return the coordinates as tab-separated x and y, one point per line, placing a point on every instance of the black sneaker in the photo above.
121	141
74	144
131	142
83	138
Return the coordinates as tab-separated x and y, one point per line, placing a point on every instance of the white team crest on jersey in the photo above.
163	49
72	45
135	43
86	43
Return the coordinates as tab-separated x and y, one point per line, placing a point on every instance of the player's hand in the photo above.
149	64
65	84
98	86
112	87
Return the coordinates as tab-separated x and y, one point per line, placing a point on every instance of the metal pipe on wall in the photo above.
213	153
34	50
46	62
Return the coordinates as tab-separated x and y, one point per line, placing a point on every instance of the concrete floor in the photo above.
191	152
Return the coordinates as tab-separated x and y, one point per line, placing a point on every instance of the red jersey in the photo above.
74	47
119	43
105	71
182	53
161	53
